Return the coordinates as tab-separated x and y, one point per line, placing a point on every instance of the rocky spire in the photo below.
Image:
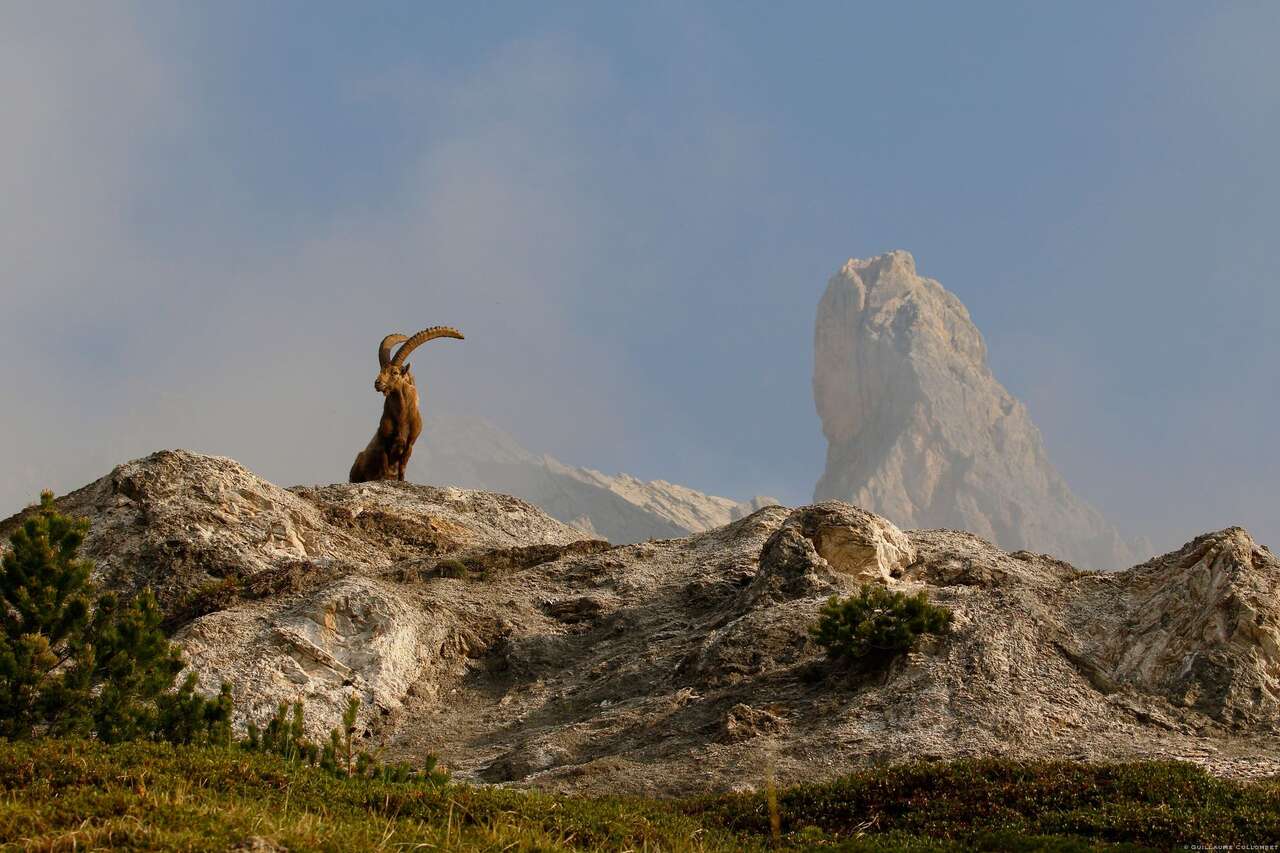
919	430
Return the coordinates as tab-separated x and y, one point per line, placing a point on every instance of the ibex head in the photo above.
392	370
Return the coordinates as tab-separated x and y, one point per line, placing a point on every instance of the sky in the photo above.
211	213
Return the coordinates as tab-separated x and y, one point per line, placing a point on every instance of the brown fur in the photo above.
387	455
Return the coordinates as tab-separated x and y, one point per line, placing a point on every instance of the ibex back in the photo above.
387	455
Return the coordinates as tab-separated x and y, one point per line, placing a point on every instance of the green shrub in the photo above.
452	569
285	736
73	665
876	623
210	597
185	717
1000	804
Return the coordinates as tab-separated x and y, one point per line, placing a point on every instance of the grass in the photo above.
69	795
142	796
996	804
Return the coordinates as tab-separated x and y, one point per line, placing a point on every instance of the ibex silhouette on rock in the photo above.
388	453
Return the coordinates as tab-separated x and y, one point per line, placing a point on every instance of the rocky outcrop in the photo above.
919	430
294	594
474	626
473	453
818	543
1199	626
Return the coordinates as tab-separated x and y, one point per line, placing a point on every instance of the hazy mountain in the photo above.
475	454
919	430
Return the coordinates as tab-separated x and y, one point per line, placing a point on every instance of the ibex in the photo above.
388	453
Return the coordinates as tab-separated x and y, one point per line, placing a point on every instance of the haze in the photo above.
210	215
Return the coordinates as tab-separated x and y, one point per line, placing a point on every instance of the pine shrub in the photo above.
285	735
452	568
73	663
875	623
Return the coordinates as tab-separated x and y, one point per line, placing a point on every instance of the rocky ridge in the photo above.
473	453
681	665
919	430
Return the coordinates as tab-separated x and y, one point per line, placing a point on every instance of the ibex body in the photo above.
387	455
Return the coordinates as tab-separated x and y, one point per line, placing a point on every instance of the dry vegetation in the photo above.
75	795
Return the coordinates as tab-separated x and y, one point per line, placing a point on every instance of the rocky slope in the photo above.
681	665
473	453
919	429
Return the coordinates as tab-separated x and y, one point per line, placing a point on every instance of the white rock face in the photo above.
681	665
473	453
316	618
353	635
919	430
849	541
1203	626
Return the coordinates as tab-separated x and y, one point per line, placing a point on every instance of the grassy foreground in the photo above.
70	795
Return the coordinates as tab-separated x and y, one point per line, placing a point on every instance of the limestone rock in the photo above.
919	430
682	665
829	546
1200	626
353	636
744	723
855	542
472	452
300	609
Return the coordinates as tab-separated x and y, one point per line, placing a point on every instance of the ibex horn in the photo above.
384	348
421	338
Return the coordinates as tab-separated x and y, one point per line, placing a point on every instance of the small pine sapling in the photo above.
70	665
329	755
432	772
218	717
343	741
297	731
452	568
253	737
875	624
44	607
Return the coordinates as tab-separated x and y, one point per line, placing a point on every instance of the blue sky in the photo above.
210	212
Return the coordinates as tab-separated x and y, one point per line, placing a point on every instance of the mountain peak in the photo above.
919	430
474	453
896	260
